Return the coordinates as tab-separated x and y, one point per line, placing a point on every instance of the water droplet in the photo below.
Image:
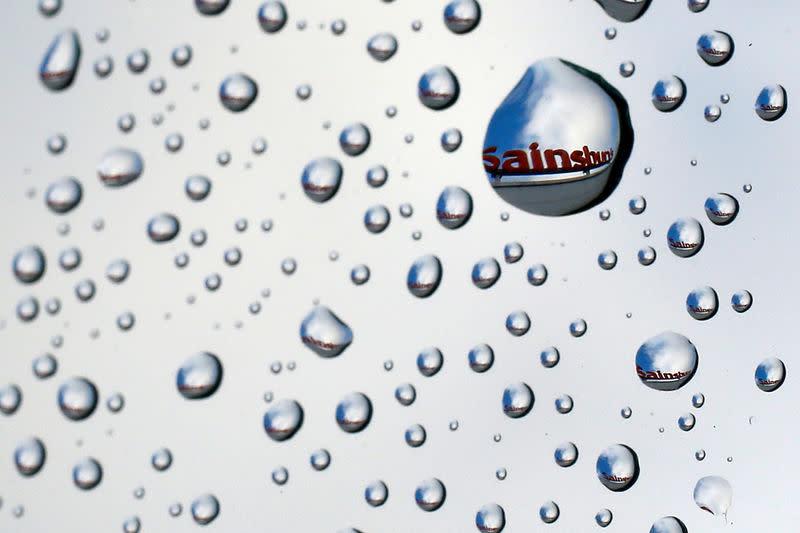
685	237
715	48
454	207
131	525
157	85
490	518
686	421
438	88
210	7
607	259
44	366
549	357
770	374
668	94
87	473
138	493
501	473
517	400
10	398
626	69
481	358
161	459
666	362
513	252
741	301
566	454
771	103
138	60
702	303
280	475
604	214
429	361
115	402
29	264
29	456
518	323
205	508
405	394
119	167
416	25
126	122
163	227
577	327
424	276
610	33
646	255
56	144
232	256
377	175
712	113
376	493
324	333
391	111
199	376
462	16
537	274
27	308
49	8
721	208
303	92
353	412
625	412
624	10
85	290
288	266
283	419
320	459
60	62
181	55
354	139
603	517
451	140
125	321
359	275
382	46
377	218
197	187
77	398
415	435
69	259
338	26
321	179
700	455
549	512
237	92
406	210
564	404
713	494
430	494
696	6
272	16
617	467
485	272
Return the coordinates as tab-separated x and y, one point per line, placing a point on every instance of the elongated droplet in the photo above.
29	456
63	195
382	46
211	7
119	167
713	494
29	264
325	333
61	60
163	228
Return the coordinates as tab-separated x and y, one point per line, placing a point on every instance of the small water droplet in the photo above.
770	374
60	62
603	517
376	493
715	48
87	473
686	421
138	60
702	303
490	518
617	467
405	394
438	88
205	508
668	95
272	16
741	301
353	412
549	512
577	328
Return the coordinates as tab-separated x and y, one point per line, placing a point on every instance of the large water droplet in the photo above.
617	467
376	493
283	419
491	518
715	48
63	195
438	88
163	227
624	10
61	60
430	494
205	508
518	323
666	362
721	208
771	103
272	16
566	454
29	456
770	374
199	376
517	400
429	361
29	264
462	16
237	92
454	207
87	474
353	412
702	303
77	398
119	167
685	237
607	259
549	512
668	93
321	179
481	358
713	494
424	276
324	333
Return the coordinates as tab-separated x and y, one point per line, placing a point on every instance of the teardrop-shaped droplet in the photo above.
376	493
354	139
491	518
29	264
272	16
430	494
518	323
163	227
119	167
325	333
715	48
354	412
283	419
199	376
61	60
770	374
438	88
454	207
713	494
666	362
624	10
771	102
617	467
237	92
462	16
486	272
205	509
668	524
382	46
63	195
685	237
721	208
553	145
517	400
668	93
424	276
321	179
29	456
429	361
702	303
377	218
211	7
77	398
87	473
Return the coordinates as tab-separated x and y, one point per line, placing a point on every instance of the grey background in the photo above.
219	444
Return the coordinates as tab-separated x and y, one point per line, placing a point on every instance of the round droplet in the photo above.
198	237
564	404
770	374
607	259
668	93
237	92
566	454
232	256
77	398
771	103
604	214
353	412
603	517
280	475
376	493
211	7
272	16
415	435
321	179
666	362
49	8
131	525
741	301
87	474
438	88
138	60
715	48
430	494
359	275
713	494
119	167
10	398
125	321
518	323
163	227
205	508
537	274
338	26
405	394
617	467
549	512
698	400
354	139
29	264
320	459
161	459
288	266
454	207
625	412
685	237
377	175
424	276
303	92
126	122
610	33
712	113
197	187
429	361
60	62
626	69
27	308
115	402
69	259
517	400
406	210
462	16
382	46
513	252
259	145
324	333
199	376
696	6
490	518
577	327
117	271
377	218
44	366
702	303
686	421
637	205
451	140
485	272
481	358
181	55
29	456
56	144
283	419
85	290
549	357
646	255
